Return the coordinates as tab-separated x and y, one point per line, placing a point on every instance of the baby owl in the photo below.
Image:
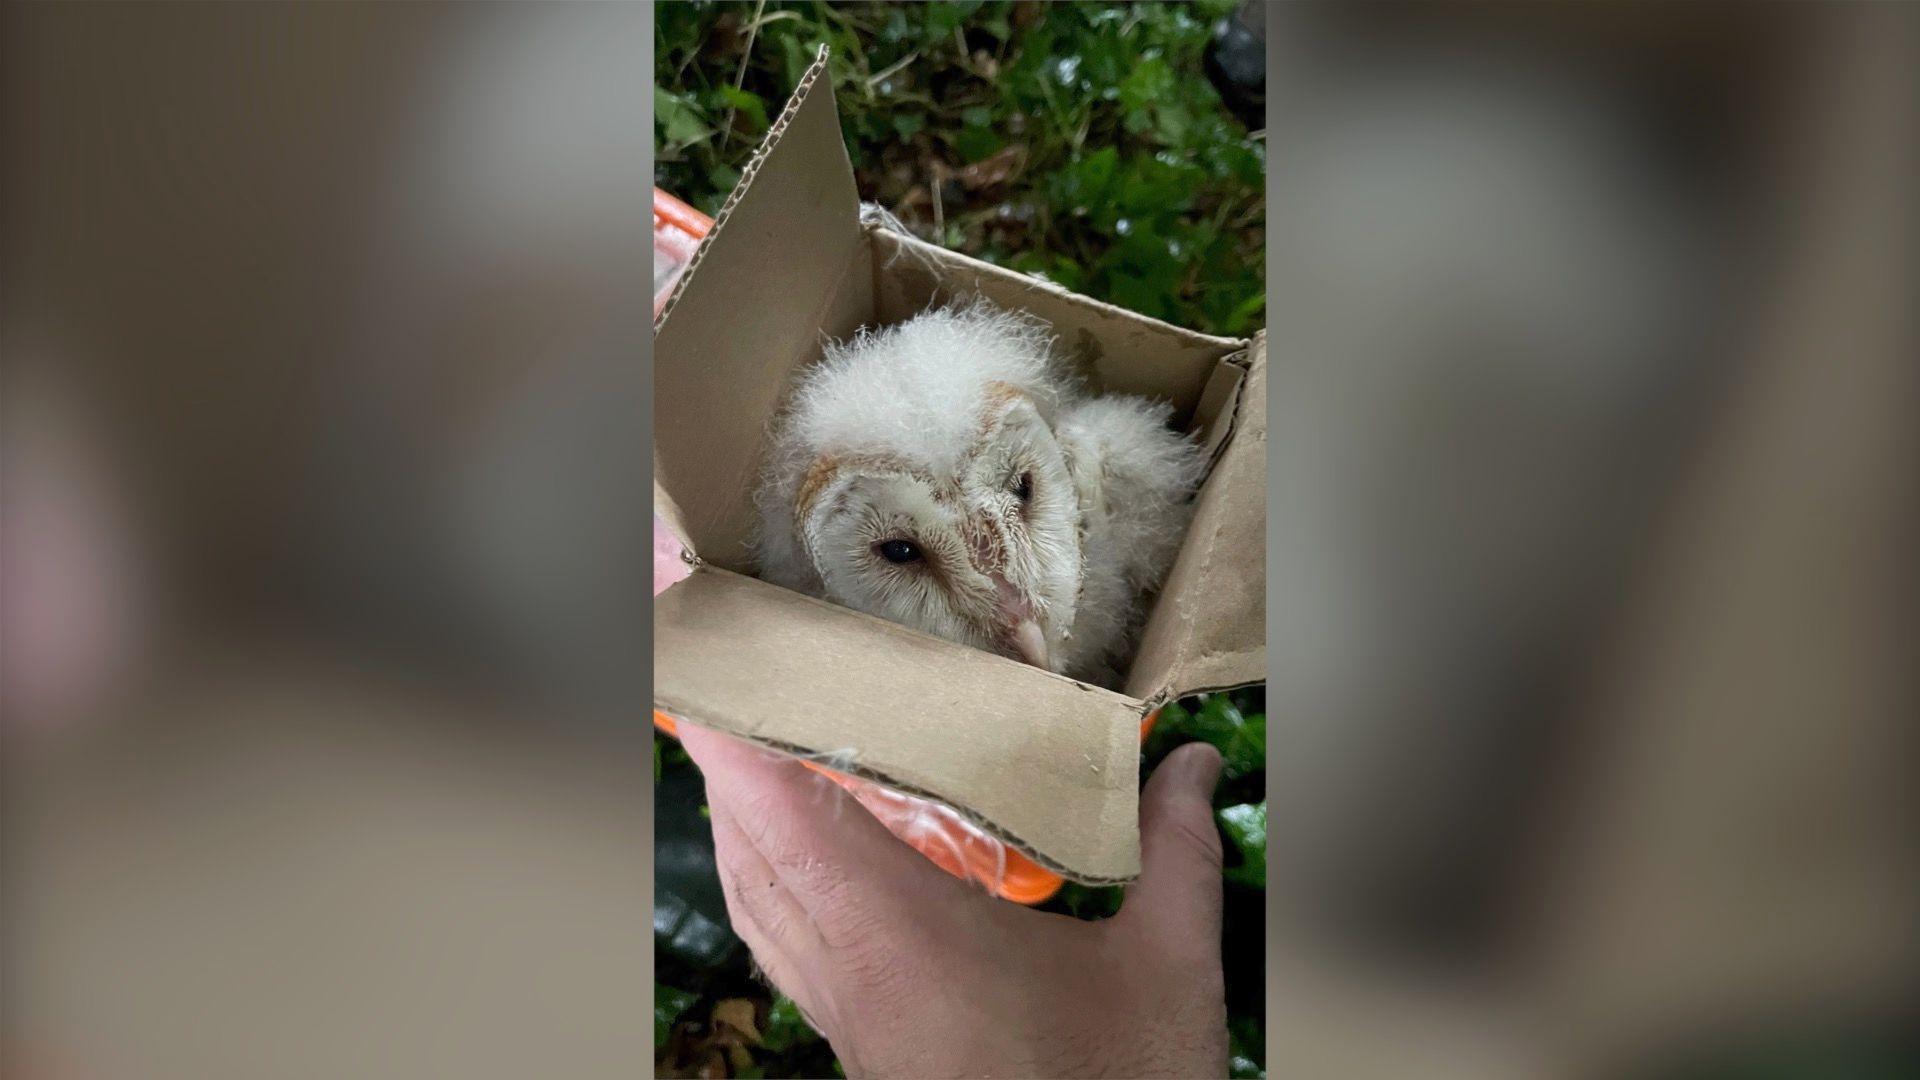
946	474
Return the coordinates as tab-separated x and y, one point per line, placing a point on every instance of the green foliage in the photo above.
1245	827
667	754
1088	901
1246	1050
1077	142
1240	736
786	1028
668	1004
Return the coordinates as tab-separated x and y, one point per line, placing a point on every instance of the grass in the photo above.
1076	142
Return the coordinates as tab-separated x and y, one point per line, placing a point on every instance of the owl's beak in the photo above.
1021	630
1031	644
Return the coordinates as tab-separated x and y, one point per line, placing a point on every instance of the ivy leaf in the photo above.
678	118
747	103
1149	83
1246	829
1238	321
668	1004
724	178
974	144
1246	1047
1240	737
786	1028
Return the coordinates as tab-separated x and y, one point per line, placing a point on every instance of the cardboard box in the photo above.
1042	762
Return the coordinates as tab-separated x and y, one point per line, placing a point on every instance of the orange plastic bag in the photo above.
943	836
677	231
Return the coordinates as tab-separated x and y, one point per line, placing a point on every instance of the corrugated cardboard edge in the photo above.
880	776
785	261
1065	735
911	246
747	174
1180	654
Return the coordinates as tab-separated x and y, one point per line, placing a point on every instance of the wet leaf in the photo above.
668	1004
1246	828
974	144
1240	737
786	1028
677	119
749	105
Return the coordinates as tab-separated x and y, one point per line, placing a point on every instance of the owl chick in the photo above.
945	473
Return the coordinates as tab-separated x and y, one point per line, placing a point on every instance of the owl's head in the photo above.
916	477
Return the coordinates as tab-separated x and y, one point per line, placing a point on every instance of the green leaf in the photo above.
747	103
723	177
1246	829
678	119
1246	1044
1171	124
974	144
976	116
1092	902
794	60
1085	183
786	1028
668	1004
1149	83
1240	737
1240	320
907	125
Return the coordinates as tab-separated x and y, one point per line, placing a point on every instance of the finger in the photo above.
669	557
765	913
821	843
1177	898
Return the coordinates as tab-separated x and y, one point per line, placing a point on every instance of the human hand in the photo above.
909	971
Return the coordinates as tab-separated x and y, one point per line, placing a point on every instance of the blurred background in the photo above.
1592	607
324	454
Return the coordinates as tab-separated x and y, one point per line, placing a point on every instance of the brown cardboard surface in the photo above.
1040	761
749	307
669	512
1117	350
1209	630
1043	762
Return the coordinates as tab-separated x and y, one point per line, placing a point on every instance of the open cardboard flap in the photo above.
1041	762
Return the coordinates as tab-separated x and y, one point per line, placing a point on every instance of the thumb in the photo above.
1178	893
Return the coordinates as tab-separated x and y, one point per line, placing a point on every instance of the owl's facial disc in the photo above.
986	553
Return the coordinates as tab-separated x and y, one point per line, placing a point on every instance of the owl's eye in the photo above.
1023	487
898	551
